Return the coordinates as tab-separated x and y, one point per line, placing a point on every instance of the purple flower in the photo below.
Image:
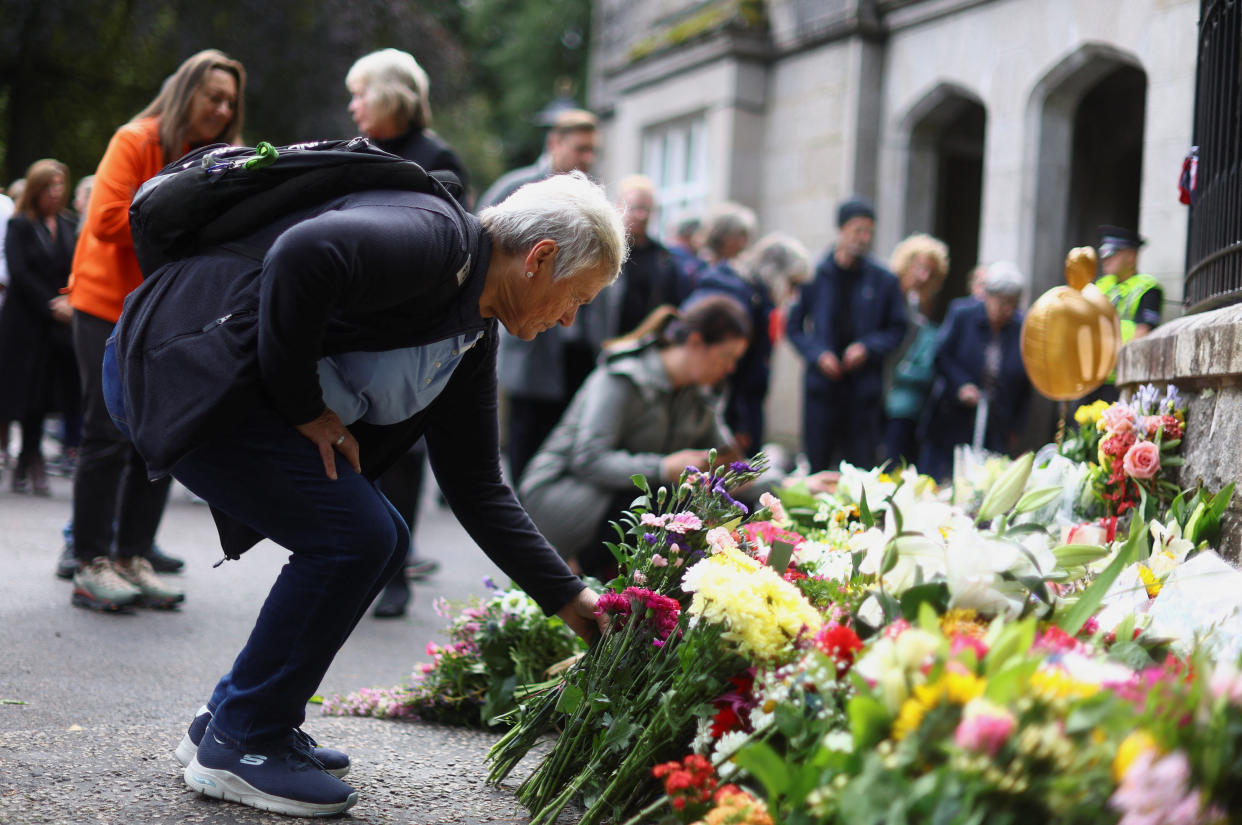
741	467
650	538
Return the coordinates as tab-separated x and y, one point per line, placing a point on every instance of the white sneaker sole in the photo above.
221	784
186	751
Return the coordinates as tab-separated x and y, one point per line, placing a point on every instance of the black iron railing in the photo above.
1214	244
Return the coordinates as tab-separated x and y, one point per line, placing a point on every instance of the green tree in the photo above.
71	71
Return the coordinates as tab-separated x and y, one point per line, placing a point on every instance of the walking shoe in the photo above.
393	599
285	778
334	762
162	562
67	564
154	593
417	569
98	587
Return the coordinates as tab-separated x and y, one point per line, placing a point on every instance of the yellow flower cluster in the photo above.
1131	748
1054	683
761	612
955	687
734	807
1090	413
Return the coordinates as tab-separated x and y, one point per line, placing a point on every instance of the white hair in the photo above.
394	85
1004	279
776	258
569	209
728	220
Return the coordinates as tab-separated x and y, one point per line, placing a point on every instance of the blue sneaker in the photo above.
283	777
334	762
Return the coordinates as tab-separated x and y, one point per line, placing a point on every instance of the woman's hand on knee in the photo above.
329	435
579	614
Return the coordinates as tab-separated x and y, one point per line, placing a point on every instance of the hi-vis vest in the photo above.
1125	297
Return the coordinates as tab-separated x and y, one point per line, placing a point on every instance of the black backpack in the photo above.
219	193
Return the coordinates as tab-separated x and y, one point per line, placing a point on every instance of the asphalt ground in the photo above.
92	705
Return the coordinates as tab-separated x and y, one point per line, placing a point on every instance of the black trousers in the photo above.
110	485
840	427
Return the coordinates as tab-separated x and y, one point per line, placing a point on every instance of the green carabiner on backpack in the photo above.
265	155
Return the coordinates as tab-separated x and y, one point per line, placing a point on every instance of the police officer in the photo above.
1137	297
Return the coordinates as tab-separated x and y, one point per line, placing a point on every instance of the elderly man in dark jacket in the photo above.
846	320
372	320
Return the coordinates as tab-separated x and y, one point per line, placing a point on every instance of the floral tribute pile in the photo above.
879	654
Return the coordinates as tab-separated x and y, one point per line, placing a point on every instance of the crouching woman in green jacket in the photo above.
650	410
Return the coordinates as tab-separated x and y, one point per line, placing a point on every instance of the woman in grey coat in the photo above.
651	410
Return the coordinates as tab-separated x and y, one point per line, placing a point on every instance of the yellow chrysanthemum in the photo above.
1131	748
1150	580
1089	413
960	688
1053	683
761	612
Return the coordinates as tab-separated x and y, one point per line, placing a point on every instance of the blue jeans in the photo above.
346	541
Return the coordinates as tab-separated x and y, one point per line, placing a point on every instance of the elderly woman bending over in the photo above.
651	410
377	321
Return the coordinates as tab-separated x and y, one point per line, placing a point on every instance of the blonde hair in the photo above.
921	245
175	102
636	183
39	178
394	86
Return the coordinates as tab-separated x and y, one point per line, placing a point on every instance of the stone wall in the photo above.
1202	356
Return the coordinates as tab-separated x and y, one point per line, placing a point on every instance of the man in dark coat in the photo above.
846	320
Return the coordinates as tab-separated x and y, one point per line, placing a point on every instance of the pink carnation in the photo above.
659	561
1118	418
652	520
1142	460
983	733
774	504
684	523
1155	791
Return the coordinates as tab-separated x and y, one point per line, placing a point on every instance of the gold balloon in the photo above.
1070	336
1080	266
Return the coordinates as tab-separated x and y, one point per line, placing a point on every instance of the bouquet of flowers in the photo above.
693	606
498	649
1131	446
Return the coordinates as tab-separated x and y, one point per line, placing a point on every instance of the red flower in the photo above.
841	643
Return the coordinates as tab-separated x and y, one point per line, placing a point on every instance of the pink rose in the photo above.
1142	460
984	733
1118	418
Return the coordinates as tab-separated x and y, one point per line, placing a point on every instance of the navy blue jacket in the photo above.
370	271
959	360
748	385
751	375
878	313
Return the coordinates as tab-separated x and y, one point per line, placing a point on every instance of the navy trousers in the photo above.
346	541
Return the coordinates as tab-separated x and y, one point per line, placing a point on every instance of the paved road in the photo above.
106	698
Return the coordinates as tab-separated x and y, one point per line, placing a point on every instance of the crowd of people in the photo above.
611	352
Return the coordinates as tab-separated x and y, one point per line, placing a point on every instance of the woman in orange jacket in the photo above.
199	104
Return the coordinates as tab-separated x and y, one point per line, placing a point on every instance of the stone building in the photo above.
1009	128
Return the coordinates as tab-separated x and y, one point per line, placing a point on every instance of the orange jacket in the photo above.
105	268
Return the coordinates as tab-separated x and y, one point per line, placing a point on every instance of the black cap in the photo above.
1113	239
856	206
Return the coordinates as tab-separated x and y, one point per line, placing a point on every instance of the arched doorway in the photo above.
1084	168
1088	112
944	182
